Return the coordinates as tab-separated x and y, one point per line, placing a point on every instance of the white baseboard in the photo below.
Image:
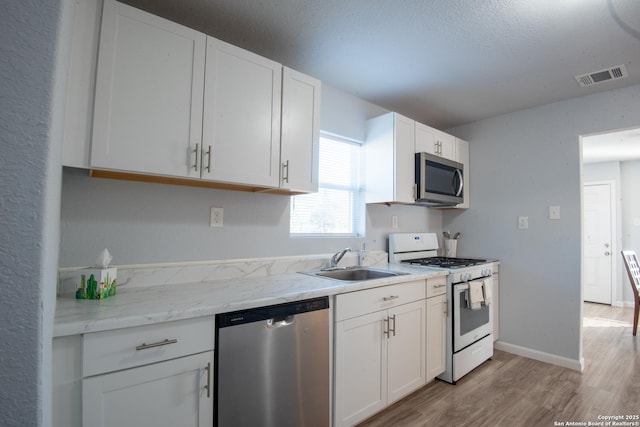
576	365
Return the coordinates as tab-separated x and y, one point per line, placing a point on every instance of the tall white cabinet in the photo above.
149	94
390	159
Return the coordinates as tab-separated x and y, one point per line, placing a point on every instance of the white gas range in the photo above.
469	293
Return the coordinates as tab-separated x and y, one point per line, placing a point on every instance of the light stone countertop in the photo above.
166	302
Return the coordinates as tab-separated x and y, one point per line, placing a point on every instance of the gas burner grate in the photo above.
446	262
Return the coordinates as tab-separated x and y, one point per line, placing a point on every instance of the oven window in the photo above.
471	319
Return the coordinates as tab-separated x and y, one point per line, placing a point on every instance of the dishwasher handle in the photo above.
280	322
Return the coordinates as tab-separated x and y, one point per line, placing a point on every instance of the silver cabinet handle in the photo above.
385	328
209	160
285	176
390	297
394	325
446	309
438	286
197	151
145	346
208	386
607	253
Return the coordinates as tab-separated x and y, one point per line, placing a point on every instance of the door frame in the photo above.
615	238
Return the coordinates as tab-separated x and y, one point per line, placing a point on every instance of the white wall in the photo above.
521	163
33	57
150	223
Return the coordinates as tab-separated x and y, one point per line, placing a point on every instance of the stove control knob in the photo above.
465	277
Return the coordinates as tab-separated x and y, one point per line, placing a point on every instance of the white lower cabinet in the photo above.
155	375
436	335
177	392
379	350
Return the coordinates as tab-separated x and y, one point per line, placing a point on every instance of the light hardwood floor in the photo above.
515	391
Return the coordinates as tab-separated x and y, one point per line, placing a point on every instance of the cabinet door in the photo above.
361	368
406	350
446	145
172	393
241	133
78	118
300	132
433	141
425	139
436	335
149	92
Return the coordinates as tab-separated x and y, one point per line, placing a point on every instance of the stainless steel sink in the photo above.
354	274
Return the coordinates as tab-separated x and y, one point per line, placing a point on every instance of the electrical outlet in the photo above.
216	218
554	212
523	222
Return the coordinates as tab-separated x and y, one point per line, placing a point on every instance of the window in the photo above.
337	208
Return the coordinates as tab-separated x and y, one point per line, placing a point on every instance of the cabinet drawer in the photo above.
125	348
436	286
357	303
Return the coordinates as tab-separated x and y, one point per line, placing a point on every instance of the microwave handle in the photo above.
459	191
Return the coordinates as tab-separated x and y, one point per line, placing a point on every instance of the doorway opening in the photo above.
610	212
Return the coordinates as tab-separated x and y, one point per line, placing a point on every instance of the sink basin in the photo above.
355	274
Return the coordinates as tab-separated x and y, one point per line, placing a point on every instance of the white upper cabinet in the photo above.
390	159
300	132
149	94
78	119
173	102
241	134
433	141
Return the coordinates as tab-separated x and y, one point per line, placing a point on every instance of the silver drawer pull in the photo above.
438	286
145	346
391	297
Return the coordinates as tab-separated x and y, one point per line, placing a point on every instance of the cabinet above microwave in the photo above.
391	144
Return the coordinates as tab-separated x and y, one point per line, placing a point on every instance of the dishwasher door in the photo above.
272	366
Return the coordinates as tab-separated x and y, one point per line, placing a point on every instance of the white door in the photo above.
597	265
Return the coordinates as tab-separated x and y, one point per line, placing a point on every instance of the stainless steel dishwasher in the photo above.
272	366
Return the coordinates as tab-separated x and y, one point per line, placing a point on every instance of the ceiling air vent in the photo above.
612	73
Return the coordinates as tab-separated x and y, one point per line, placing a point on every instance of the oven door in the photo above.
469	325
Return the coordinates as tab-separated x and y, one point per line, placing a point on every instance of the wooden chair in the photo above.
633	270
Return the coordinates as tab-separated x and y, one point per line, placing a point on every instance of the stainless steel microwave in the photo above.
439	181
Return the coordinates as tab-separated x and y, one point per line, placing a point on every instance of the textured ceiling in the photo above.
441	62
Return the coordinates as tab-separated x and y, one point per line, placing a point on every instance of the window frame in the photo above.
356	191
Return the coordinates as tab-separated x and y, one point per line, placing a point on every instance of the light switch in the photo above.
554	212
523	222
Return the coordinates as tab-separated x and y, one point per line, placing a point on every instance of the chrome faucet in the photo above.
335	259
